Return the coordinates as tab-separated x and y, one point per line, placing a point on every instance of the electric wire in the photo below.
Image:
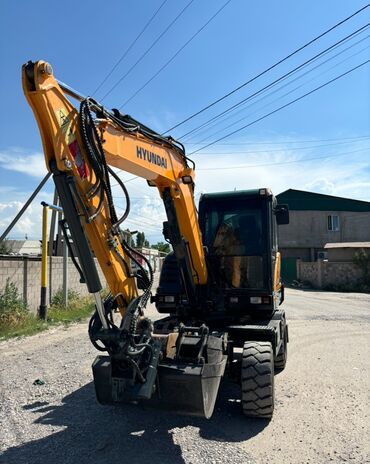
285	141
143	219
282	107
147	51
224	116
279	79
129	48
244	166
279	150
249	81
128	180
175	55
281	96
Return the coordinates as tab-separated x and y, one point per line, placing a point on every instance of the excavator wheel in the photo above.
257	379
281	358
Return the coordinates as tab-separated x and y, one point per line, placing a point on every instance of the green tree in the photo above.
141	240
162	247
4	248
361	259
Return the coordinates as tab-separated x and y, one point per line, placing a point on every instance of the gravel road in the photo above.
321	416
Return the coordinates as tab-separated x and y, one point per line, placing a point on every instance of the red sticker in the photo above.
80	162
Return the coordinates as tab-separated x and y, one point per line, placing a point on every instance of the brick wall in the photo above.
25	273
322	273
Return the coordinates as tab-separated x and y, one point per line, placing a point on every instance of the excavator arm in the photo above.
80	148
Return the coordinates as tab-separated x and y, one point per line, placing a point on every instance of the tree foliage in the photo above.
141	240
361	259
4	248
162	247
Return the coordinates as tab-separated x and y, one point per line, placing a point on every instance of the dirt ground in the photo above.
321	415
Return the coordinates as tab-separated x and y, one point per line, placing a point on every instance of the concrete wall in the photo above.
322	273
343	254
25	273
301	253
309	229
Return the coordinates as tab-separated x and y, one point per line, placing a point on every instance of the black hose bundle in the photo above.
102	171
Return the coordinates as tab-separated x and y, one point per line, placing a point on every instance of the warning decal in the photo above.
80	162
65	124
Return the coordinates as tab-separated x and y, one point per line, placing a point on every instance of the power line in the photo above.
175	55
281	107
125	181
139	220
267	69
140	198
288	141
281	78
213	122
243	166
281	150
130	47
280	97
147	51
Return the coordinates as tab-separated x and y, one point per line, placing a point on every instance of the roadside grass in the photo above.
16	320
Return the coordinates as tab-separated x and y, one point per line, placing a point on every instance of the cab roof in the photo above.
253	193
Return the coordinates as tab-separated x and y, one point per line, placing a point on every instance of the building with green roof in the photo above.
317	219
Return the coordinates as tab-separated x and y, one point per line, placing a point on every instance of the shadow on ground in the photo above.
128	434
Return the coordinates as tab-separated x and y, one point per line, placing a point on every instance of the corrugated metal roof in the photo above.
299	200
348	245
24	247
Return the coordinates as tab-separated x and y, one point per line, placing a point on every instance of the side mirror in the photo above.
282	214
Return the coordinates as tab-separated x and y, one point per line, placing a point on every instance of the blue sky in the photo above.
83	40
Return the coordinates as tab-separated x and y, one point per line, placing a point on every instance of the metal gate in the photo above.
288	269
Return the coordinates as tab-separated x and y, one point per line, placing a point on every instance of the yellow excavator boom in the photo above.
156	159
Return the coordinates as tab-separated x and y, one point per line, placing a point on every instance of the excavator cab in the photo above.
239	231
240	235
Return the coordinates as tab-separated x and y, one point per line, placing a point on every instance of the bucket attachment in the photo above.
189	389
187	383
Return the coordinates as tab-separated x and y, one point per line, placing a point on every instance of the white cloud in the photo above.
331	175
146	213
32	164
30	222
322	185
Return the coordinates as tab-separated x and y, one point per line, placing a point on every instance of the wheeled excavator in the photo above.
220	289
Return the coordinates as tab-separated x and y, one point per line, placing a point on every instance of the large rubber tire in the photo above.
282	356
257	379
